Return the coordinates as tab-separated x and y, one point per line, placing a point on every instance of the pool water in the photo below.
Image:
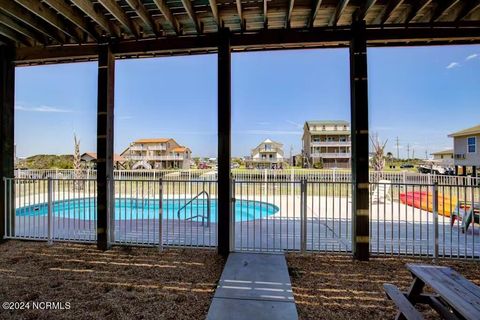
131	209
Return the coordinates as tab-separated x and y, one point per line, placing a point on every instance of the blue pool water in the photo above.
126	209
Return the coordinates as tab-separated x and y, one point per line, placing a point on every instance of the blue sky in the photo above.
418	94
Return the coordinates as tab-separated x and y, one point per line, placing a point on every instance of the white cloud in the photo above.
42	109
472	56
296	124
453	65
270	132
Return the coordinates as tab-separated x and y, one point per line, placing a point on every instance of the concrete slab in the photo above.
255	276
254	286
238	309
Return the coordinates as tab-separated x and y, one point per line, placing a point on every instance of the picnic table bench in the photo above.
454	296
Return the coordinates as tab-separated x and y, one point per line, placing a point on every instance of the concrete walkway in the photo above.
254	286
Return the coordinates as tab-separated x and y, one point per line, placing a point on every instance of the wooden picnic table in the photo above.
454	296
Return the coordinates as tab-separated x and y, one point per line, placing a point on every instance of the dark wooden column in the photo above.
359	119
224	140
105	111
7	153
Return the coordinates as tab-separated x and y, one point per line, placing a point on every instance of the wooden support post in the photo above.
105	111
224	141
474	171
464	171
7	153
359	119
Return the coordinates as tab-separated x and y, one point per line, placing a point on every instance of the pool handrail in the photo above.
198	215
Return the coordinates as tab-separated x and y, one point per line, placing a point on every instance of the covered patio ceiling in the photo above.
52	31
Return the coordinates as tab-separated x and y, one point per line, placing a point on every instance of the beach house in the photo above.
327	144
267	155
157	153
465	149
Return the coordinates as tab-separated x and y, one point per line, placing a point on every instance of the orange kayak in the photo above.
424	200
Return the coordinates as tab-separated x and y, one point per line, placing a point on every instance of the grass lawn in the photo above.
123	283
336	287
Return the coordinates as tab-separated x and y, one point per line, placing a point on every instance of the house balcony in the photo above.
149	148
267	160
156	158
330	143
338	155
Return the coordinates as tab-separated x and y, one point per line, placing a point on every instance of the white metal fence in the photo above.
436	220
293	174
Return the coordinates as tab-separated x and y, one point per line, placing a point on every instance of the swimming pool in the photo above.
131	209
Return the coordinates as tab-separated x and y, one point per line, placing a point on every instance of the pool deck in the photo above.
254	286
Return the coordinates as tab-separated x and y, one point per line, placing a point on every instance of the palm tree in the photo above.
77	164
378	161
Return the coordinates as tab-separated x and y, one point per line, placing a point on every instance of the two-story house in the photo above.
267	155
161	153
465	149
327	144
444	158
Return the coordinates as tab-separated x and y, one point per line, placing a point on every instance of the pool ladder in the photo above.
198	215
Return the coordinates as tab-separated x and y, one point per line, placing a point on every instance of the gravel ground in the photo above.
336	287
123	283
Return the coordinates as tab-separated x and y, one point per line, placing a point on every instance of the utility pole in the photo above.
426	154
398	152
413	153
408	151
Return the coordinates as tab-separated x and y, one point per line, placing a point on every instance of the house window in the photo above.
472	144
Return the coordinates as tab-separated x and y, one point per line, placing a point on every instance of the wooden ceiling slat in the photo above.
416	8
240	14
117	12
467	9
442	8
338	12
265	14
144	15
389	9
88	9
75	17
14	35
33	22
291	3
314	12
167	14
187	4
14	25
214	8
40	10
364	9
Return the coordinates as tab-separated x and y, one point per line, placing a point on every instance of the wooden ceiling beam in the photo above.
117	12
240	14
291	3
314	12
416	8
389	9
167	14
86	6
14	35
73	16
265	14
214	8
14	25
32	21
338	12
187	4
442	8
467	9
43	12
365	8
144	15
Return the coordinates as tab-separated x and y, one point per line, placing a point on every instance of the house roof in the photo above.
466	132
153	140
116	156
271	141
448	151
180	149
327	122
